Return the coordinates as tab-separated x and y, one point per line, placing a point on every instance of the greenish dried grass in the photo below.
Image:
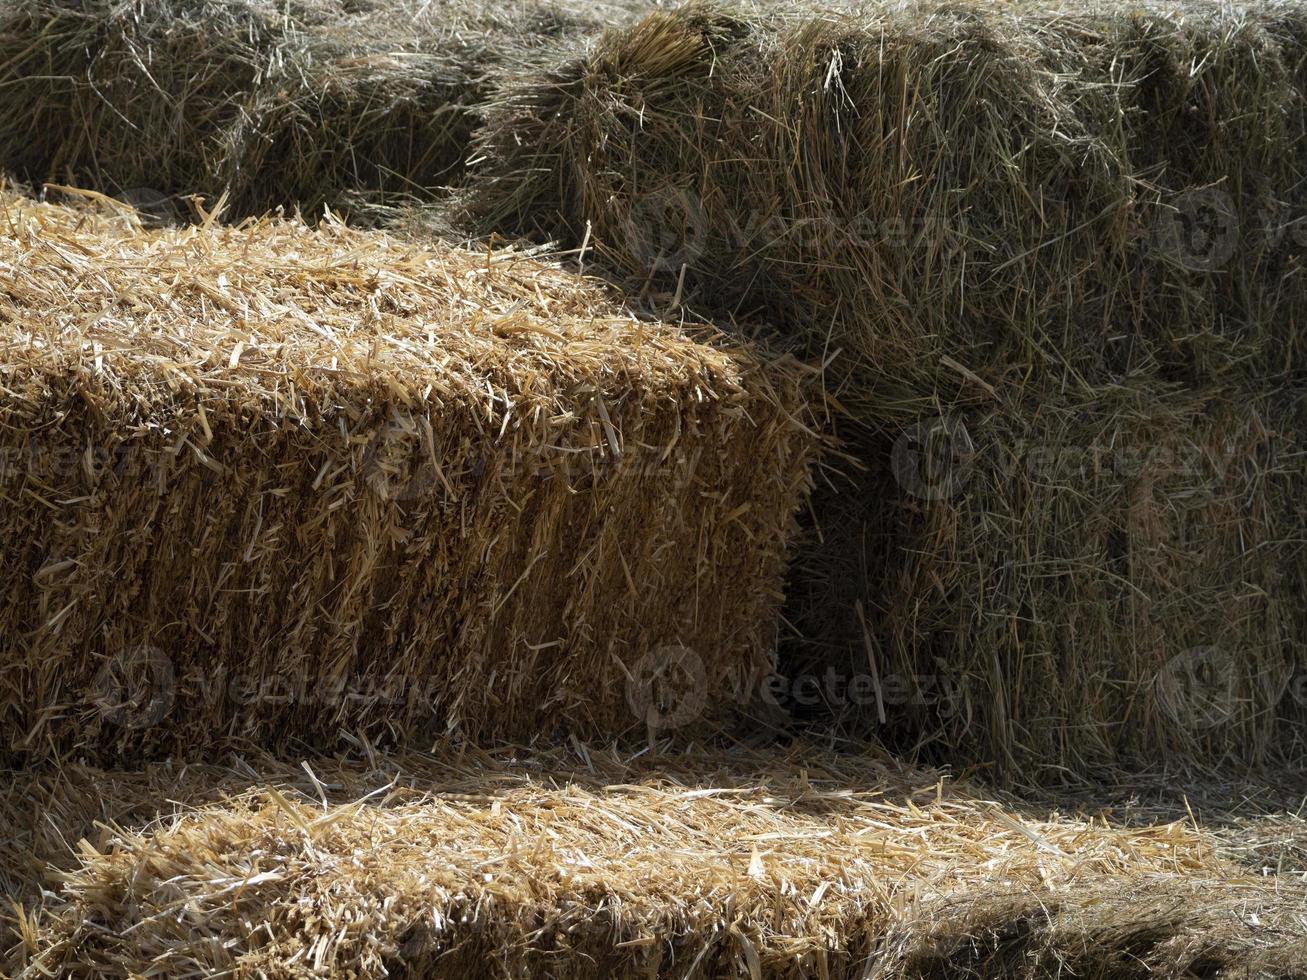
300	105
987	184
1068	230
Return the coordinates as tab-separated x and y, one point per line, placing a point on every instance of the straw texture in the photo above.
959	197
787	863
278	104
276	482
1048	256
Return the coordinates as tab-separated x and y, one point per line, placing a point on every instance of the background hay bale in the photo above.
1002	226
1065	588
1103	581
278	483
789	862
280	105
1031	193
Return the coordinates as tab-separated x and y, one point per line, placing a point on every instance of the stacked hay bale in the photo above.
278	105
1107	582
793	863
276	483
1005	229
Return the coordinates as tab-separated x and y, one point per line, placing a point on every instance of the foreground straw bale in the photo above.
298	104
277	482
789	863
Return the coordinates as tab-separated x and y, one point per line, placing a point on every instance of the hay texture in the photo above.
279	105
1050	258
789	863
279	482
1073	586
955	196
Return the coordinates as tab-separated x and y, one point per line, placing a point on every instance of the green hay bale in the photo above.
1035	194
1099	582
316	103
1055	226
1064	589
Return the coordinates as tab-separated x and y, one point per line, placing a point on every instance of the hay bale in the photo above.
279	105
1103	581
1064	588
784	863
992	194
277	482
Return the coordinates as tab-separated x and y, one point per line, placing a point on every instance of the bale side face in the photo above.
1098	583
278	105
279	483
1032	193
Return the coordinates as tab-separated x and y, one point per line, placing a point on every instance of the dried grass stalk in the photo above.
277	482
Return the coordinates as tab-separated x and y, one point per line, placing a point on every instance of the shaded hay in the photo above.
297	105
1110	579
789	863
1052	251
276	482
1005	195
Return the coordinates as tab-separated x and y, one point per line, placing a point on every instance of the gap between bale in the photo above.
276	483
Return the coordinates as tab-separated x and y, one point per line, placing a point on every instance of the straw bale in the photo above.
279	104
1107	580
784	863
278	482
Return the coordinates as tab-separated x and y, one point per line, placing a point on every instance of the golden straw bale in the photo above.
276	482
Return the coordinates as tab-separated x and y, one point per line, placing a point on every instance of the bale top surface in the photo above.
278	302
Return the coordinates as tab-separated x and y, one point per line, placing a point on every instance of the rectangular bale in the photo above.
785	863
953	195
1107	580
280	483
294	105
